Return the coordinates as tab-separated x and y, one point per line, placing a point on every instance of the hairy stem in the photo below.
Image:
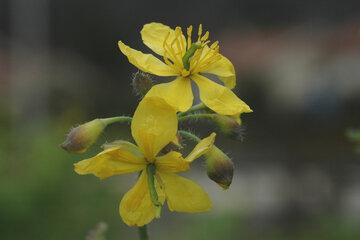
120	119
143	233
190	136
197	116
194	108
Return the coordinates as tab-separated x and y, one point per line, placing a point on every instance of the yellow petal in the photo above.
225	70
177	93
121	159
136	208
229	82
121	143
171	162
218	98
154	34
183	195
154	125
201	148
176	141
146	62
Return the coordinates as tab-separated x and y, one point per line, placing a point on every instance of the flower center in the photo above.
188	57
204	55
185	73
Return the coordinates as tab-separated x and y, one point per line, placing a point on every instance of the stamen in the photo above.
166	60
204	43
178	45
173	53
179	35
205	37
214	44
189	31
169	51
210	57
169	54
204	64
199	32
196	59
166	38
176	41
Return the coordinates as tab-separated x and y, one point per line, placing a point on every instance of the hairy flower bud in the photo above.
219	167
141	83
230	126
82	137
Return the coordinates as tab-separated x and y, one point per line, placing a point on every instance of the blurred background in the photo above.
298	67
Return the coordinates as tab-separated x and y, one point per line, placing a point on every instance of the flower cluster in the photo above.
156	154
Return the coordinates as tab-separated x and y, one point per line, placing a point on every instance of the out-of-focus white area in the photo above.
306	65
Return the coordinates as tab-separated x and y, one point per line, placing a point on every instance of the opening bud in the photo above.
141	83
219	167
230	126
82	137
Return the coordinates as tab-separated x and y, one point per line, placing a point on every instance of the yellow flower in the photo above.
186	60
154	125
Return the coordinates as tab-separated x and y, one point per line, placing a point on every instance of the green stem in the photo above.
197	116
189	135
194	108
143	234
121	119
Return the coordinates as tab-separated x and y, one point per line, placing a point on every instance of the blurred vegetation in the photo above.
98	232
354	136
40	193
45	199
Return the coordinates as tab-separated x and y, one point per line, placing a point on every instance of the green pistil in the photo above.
189	53
151	170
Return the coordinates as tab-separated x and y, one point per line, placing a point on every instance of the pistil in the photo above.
151	171
189	53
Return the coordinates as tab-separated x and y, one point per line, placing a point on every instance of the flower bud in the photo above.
141	83
230	126
219	167
82	137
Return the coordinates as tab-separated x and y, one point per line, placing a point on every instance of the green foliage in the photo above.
40	193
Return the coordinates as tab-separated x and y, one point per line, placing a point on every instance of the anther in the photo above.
189	32
205	37
214	44
199	32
